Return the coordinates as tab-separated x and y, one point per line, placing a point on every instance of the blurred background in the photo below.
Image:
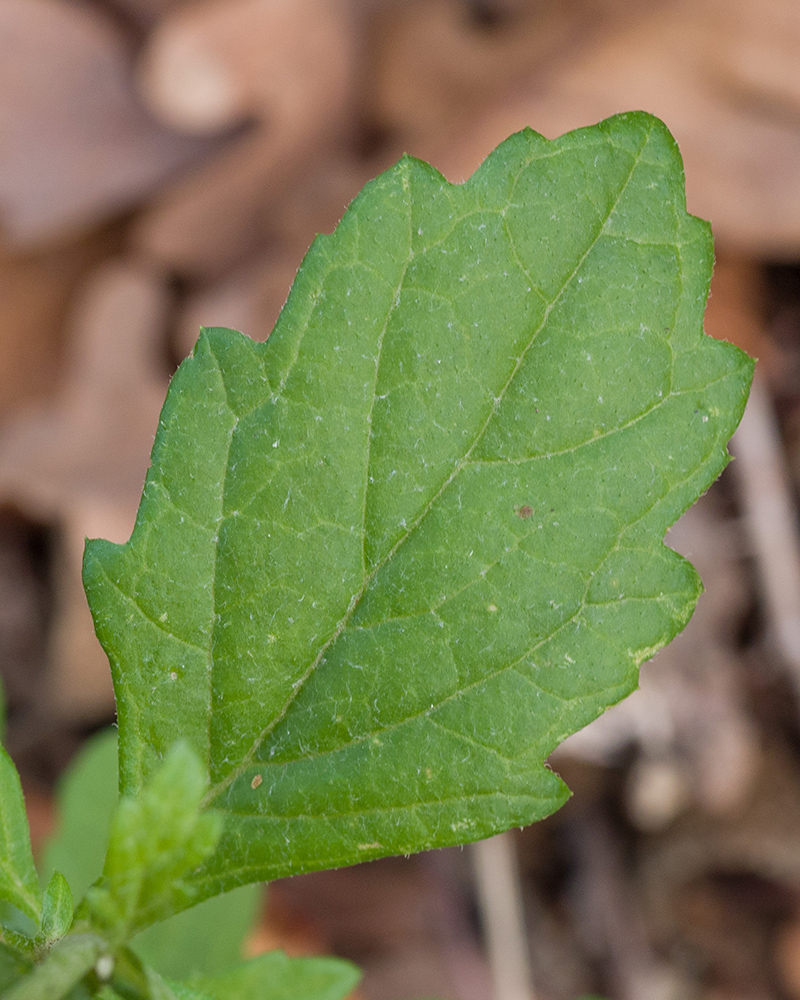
166	164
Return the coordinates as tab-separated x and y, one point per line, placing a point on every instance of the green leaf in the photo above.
57	908
156	843
275	976
19	941
86	798
126	978
13	966
387	560
19	883
64	966
162	989
204	939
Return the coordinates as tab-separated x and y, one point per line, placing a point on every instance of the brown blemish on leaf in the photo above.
524	512
256	782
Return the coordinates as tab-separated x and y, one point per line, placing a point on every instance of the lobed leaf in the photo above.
385	562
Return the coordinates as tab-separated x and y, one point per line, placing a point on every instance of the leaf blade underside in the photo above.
386	561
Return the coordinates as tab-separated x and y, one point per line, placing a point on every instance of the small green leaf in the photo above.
86	798
57	908
19	883
275	976
204	939
18	941
63	967
156	843
13	965
163	989
387	560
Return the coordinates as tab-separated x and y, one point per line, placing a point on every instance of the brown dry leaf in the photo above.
742	162
78	462
35	290
76	144
287	62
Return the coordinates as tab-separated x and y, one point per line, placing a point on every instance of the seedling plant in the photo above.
386	561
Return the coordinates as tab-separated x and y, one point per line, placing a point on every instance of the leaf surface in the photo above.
61	969
19	883
57	908
275	976
157	841
86	797
13	966
204	939
163	989
386	561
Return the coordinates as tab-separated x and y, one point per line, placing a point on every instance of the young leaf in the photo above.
387	560
205	939
19	883
162	989
57	908
85	801
64	966
13	966
275	976
25	945
156	842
